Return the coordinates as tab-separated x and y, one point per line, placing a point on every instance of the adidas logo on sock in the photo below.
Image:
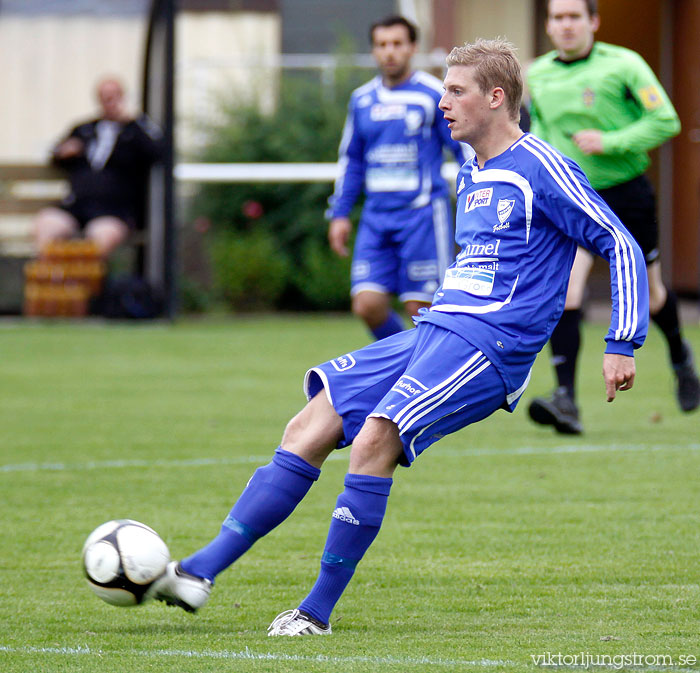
344	514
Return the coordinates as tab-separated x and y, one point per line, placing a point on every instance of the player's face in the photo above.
393	50
571	27
464	106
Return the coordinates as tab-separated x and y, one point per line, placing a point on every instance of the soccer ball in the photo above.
121	560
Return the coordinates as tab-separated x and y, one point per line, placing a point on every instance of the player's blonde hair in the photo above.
495	65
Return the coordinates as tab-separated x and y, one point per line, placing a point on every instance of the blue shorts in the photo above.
403	252
427	380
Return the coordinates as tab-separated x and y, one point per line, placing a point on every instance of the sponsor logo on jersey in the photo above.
344	514
475	270
504	208
479	199
477	280
479	250
650	97
394	153
588	96
391	179
343	363
380	112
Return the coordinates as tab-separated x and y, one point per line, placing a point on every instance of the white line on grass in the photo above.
106	464
251	655
261	460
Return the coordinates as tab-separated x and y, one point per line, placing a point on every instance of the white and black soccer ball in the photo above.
121	559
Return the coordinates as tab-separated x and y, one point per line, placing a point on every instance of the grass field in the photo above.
503	542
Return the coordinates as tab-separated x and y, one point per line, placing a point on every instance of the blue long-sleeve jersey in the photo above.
392	146
519	220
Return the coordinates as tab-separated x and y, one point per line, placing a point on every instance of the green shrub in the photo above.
250	273
306	127
322	280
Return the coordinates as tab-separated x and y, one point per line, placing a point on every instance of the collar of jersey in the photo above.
585	57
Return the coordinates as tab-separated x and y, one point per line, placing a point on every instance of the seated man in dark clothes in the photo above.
107	161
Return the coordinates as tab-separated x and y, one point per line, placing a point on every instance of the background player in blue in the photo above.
522	208
392	149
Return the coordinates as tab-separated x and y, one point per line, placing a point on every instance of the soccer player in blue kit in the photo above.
522	209
392	149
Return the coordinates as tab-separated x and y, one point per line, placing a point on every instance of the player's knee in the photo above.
657	299
376	450
314	432
657	290
372	307
574	295
294	432
412	307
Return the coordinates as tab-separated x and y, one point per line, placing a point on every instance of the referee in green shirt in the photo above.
603	106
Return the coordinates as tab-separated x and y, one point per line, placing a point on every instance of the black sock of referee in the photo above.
669	324
565	343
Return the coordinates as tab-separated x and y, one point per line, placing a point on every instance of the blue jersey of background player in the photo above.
522	210
392	151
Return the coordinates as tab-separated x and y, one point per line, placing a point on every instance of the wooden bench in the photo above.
24	190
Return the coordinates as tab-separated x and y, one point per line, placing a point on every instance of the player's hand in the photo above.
339	231
72	147
618	372
589	141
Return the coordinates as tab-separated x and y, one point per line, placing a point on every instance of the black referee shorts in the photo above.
634	202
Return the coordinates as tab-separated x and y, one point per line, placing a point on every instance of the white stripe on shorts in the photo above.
429	400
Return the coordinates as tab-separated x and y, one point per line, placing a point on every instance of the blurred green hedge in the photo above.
267	242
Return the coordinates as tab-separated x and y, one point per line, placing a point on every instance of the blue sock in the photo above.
392	325
356	520
269	498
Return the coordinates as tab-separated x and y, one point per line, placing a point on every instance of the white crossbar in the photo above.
272	172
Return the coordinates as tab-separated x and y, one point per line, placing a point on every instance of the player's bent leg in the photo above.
374	308
355	523
270	496
424	403
107	232
559	409
377	448
663	308
581	269
53	224
314	432
687	381
657	289
412	307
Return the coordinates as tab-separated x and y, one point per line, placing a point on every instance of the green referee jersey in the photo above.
612	89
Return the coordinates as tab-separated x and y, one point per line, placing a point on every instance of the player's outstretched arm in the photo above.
618	372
